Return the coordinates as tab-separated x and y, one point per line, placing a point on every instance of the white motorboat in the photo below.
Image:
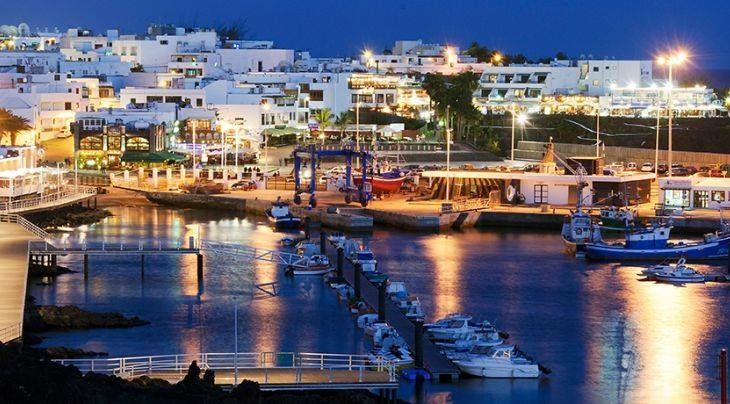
467	342
394	354
680	273
415	310
366	259
502	361
280	216
664	267
370	329
316	264
366	319
448	330
443	321
396	290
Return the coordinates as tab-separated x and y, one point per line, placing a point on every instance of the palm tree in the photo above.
324	118
11	125
343	119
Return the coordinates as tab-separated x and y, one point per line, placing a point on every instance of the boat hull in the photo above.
692	252
287	222
382	185
497	371
312	271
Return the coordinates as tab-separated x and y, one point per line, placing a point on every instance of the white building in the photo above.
255	60
145	96
694	192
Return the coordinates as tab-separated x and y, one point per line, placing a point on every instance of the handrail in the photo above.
25	224
11	333
147	365
70	193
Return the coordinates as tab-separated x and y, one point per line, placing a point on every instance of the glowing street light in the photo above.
497	58
520	119
451	56
671	60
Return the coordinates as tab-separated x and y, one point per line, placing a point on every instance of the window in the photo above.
198	102
91	143
702	199
114	143
677	198
138	144
379	98
541	193
67	106
163	42
718	196
595	68
316	95
595	83
260	66
389	99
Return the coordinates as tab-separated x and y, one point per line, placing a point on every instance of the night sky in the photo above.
625	29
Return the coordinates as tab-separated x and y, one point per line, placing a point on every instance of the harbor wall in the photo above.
345	220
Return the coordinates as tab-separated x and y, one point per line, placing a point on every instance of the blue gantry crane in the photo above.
361	193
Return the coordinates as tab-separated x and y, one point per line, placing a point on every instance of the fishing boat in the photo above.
316	264
366	259
503	361
386	183
618	219
281	217
652	243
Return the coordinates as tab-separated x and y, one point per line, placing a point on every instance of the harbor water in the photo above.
606	336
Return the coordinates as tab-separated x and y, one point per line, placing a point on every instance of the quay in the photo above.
440	367
274	371
15	233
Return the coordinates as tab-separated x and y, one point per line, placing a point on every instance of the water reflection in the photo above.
442	253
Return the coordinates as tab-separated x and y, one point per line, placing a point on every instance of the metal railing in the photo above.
131	367
68	194
252	253
25	224
11	333
111	248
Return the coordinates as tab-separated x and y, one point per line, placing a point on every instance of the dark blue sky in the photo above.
618	28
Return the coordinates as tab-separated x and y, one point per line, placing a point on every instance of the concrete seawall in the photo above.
346	220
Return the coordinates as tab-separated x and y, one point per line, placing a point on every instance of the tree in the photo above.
233	30
456	93
481	53
11	125
561	56
323	117
342	120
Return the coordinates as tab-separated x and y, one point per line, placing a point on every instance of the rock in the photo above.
42	318
61	352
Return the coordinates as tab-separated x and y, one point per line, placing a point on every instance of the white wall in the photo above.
247	60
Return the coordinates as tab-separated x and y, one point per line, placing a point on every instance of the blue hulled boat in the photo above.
652	243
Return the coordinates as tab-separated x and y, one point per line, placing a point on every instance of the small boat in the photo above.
61	229
375	277
366	319
680	273
386	183
578	231
316	264
371	328
415	310
396	355
663	267
502	361
337	238
280	216
449	317
366	259
396	290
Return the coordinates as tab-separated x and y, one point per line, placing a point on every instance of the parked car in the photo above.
716	172
692	169
647	167
662	169
631	166
680	171
244	185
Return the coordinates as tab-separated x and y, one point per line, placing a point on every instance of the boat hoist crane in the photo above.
362	193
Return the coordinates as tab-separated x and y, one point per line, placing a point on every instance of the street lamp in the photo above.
496	58
671	60
448	150
520	119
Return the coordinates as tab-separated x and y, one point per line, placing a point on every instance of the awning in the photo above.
154	157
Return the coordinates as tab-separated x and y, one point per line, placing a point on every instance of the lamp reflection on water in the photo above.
442	252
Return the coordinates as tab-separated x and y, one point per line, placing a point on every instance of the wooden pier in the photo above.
437	364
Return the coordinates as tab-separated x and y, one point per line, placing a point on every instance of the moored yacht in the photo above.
281	217
502	361
316	264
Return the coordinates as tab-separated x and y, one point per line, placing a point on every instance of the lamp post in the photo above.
598	131
656	143
193	121
670	61
512	144
448	150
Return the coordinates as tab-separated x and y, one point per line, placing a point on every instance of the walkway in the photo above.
14	240
68	196
272	370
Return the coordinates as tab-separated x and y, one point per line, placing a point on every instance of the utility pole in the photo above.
598	131
512	145
448	150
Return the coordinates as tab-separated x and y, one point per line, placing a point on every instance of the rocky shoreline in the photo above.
69	216
45	318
